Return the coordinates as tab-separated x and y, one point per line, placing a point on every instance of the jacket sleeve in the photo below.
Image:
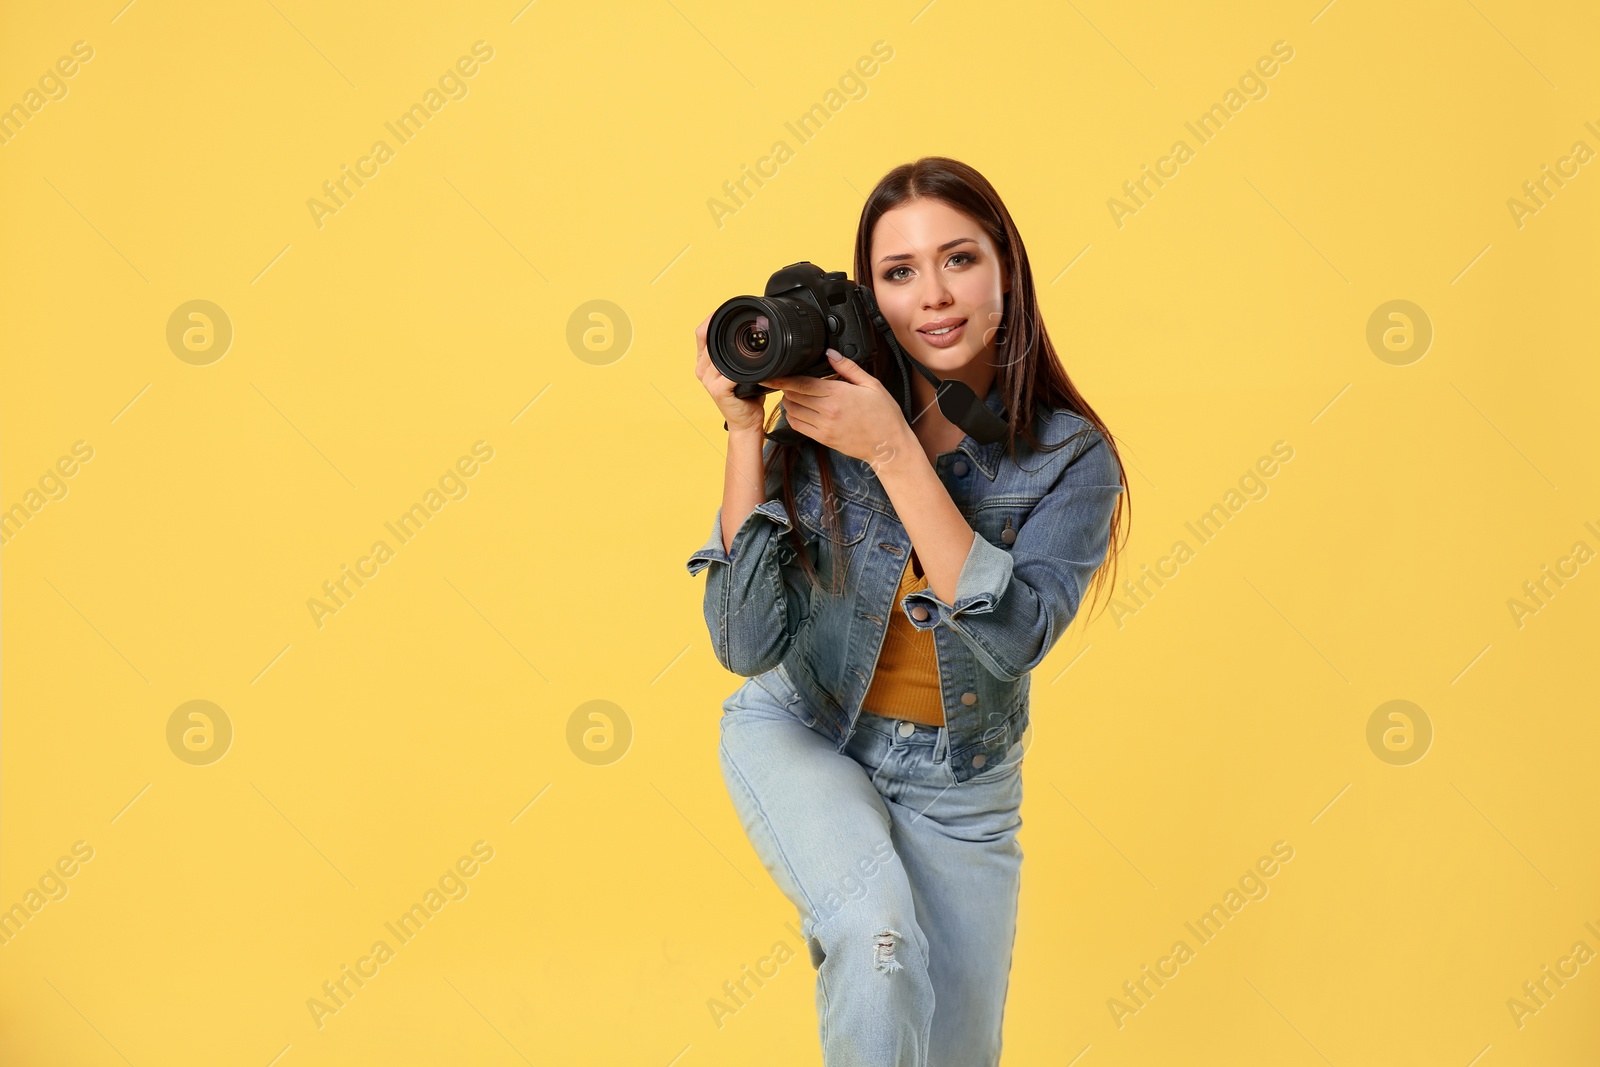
756	595
1012	606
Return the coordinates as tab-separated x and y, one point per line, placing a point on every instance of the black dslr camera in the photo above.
805	312
787	331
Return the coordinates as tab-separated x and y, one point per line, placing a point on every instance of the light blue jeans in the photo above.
906	881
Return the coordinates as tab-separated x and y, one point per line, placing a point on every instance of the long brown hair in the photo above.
1029	373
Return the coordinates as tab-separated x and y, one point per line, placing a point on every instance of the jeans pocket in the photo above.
783	694
1004	766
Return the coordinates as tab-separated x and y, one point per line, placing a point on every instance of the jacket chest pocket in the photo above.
835	548
854	519
1000	523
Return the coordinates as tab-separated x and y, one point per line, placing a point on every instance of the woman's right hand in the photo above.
740	413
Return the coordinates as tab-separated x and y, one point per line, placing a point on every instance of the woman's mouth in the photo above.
945	336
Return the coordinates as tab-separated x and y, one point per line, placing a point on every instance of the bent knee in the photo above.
886	941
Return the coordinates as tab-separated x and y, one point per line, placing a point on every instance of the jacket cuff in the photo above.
771	511
985	576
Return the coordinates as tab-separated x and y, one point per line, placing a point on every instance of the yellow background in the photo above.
431	312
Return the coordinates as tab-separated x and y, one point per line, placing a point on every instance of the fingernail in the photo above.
834	355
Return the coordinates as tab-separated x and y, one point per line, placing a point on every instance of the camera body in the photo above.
804	312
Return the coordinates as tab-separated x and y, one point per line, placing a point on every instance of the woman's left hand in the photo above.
853	414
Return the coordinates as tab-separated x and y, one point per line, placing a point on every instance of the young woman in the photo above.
873	754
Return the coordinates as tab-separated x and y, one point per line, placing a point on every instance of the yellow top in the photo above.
905	684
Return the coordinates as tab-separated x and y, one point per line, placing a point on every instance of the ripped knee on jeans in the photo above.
883	951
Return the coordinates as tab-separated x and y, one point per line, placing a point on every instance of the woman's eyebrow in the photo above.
941	248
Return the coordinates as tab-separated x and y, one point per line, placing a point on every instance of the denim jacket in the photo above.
1042	522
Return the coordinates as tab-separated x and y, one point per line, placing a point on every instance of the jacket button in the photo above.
960	467
979	760
969	699
907	729
919	613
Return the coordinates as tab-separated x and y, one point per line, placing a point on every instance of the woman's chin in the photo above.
945	361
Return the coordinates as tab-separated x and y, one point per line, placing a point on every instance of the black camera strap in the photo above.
957	400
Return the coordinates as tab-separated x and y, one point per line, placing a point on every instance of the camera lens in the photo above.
753	338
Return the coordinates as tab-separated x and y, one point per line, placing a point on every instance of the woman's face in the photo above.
934	267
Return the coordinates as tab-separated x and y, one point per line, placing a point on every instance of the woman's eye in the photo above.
893	274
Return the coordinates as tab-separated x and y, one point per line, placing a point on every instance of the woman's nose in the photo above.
936	295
